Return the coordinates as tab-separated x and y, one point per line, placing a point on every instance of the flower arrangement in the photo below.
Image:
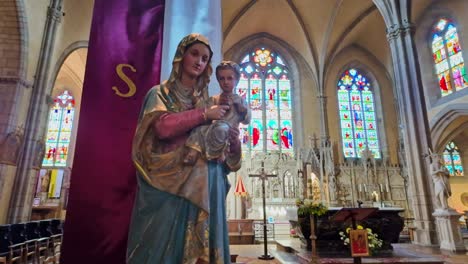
307	207
374	242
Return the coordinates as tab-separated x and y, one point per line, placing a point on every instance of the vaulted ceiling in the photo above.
316	29
71	73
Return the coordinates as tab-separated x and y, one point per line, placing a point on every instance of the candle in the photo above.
381	187
386	187
365	188
360	187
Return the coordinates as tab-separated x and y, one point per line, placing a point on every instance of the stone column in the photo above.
13	87
413	115
26	175
323	116
324	196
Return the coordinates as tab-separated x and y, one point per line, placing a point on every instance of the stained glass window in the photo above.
265	84
357	115
452	160
59	129
448	59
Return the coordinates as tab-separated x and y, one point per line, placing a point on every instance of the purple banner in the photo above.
123	63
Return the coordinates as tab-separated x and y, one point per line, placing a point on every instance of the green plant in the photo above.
307	207
372	238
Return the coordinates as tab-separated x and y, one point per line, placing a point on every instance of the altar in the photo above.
314	175
386	222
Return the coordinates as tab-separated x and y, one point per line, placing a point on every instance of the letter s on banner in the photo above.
126	79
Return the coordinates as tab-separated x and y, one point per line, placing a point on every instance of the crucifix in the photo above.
263	176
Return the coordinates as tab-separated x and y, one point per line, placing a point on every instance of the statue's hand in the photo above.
216	112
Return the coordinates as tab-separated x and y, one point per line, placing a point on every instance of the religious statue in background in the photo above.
246	205
440	177
369	165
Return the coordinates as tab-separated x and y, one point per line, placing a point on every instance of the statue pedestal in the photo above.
448	230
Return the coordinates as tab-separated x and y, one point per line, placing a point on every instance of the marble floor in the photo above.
288	251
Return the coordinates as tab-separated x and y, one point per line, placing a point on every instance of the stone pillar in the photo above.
412	111
450	236
324	136
323	116
27	173
13	87
7	173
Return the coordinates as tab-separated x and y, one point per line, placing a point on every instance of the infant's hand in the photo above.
225	100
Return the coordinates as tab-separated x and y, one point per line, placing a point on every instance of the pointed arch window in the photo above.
59	129
452	159
448	59
266	85
357	115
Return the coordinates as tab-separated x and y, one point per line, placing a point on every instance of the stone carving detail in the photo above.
10	147
369	165
395	31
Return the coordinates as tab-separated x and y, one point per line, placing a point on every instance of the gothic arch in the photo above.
423	40
448	123
63	57
357	57
375	89
299	69
54	89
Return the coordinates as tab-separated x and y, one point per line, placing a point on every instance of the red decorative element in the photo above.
443	84
271	93
255	90
240	187
255	136
284	137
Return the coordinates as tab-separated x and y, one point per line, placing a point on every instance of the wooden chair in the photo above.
43	252
44	228
57	244
4	243
31	234
30	250
16	254
3	258
55	226
17	244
